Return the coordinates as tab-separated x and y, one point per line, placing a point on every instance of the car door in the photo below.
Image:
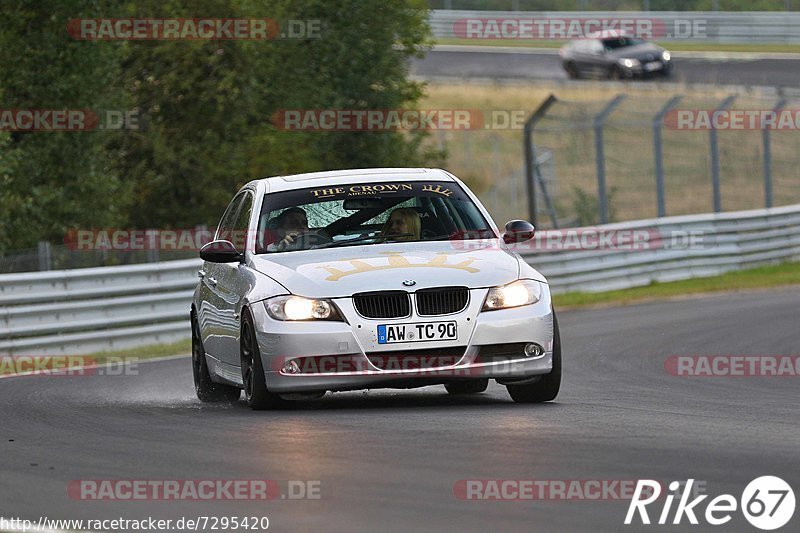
596	60
581	57
211	314
231	287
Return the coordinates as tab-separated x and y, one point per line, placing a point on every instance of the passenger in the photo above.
403	222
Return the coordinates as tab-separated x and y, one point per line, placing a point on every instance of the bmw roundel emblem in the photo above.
409	283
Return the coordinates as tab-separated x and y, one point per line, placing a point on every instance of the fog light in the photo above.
533	350
291	368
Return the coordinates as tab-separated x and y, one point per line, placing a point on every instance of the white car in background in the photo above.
369	278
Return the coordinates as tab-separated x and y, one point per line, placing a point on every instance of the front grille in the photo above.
384	304
416	359
442	300
493	353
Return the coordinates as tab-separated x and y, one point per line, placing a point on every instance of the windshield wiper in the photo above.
382	239
442	237
461	236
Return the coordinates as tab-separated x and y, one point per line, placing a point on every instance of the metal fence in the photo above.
605	5
87	310
629	158
47	256
723	27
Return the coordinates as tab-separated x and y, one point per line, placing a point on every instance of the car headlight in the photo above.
630	63
520	292
299	308
666	55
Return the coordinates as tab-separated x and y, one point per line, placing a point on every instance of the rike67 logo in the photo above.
767	503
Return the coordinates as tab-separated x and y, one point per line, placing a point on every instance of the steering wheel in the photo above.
427	234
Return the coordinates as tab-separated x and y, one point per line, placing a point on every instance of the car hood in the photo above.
341	272
642	52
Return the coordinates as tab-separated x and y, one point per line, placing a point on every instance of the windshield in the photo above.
368	214
620	42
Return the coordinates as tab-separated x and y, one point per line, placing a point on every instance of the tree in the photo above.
204	109
53	181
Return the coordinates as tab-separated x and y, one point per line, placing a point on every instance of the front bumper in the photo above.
642	70
355	343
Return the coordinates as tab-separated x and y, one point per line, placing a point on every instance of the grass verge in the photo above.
145	352
8	365
764	277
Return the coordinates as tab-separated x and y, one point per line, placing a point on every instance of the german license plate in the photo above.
655	65
423	331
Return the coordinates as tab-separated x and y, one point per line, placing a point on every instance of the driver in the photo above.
288	225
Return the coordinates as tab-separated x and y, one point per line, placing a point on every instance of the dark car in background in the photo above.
615	56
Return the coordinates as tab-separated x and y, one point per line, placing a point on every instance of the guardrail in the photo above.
88	310
722	242
92	309
760	27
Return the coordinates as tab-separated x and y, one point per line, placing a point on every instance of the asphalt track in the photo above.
388	460
714	70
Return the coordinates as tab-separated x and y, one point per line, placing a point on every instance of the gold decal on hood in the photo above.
396	260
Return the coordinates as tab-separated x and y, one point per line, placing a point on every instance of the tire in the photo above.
615	74
474	386
207	391
545	389
255	383
572	71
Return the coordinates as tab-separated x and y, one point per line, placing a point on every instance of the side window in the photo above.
241	226
228	221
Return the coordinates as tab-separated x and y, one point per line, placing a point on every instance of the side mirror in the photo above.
220	252
518	231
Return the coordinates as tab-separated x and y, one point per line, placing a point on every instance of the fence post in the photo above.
599	122
714	146
765	136
530	154
45	258
153	242
658	122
